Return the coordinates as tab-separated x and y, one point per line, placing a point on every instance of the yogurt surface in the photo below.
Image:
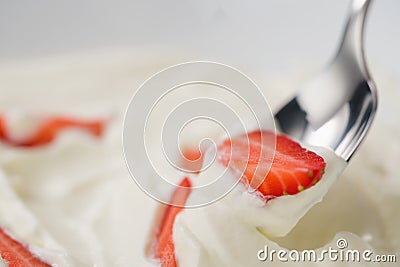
82	205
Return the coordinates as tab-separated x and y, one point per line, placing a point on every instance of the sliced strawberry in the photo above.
49	130
192	161
16	254
164	249
293	167
3	134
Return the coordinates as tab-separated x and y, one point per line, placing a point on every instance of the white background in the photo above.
250	34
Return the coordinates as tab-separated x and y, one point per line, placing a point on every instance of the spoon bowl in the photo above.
336	108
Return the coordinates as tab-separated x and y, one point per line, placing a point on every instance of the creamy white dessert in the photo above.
242	230
231	231
77	189
84	206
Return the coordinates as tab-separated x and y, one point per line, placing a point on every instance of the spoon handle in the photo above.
353	35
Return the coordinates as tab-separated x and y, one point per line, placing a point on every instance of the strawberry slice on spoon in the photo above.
293	168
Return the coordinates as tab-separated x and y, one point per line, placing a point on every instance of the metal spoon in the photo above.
336	108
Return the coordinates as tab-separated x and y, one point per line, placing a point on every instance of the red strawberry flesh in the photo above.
293	168
192	160
15	254
49	130
164	249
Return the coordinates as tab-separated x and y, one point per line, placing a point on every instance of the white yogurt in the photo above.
232	230
83	205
